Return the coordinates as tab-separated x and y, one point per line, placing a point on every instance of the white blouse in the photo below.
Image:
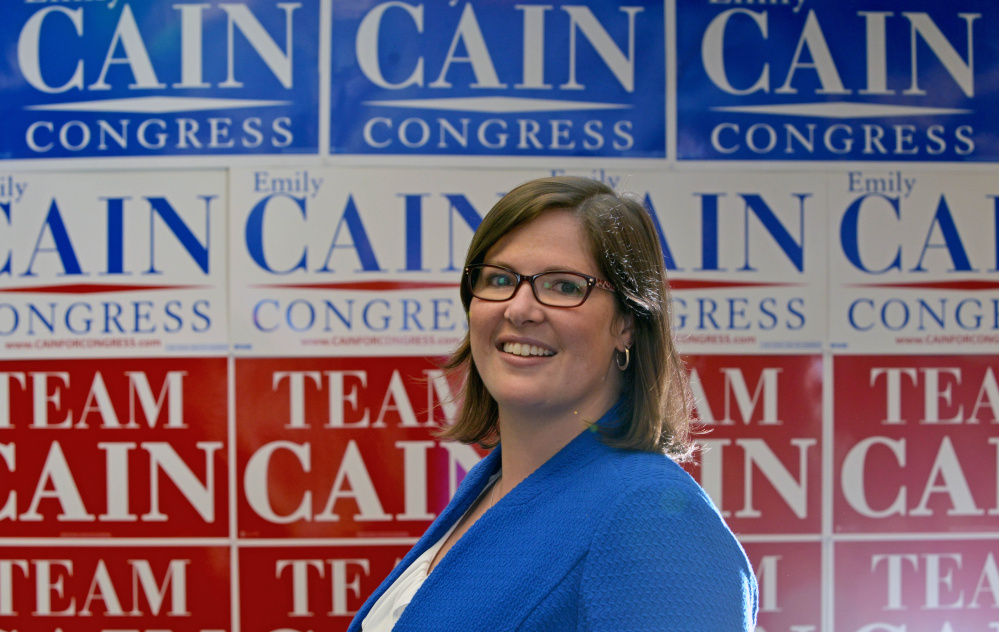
386	612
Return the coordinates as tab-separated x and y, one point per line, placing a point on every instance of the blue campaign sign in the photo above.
584	78
869	80
109	78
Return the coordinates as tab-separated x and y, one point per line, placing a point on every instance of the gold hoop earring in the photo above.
627	359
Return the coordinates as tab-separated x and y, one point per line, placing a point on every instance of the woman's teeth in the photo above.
517	348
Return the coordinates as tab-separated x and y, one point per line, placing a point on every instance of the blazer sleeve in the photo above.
664	560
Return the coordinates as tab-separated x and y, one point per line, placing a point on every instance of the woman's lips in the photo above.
525	350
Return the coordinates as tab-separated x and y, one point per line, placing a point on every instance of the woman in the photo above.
576	520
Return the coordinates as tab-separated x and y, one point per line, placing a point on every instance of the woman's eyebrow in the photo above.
554	268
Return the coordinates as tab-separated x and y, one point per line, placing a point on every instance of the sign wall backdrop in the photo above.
231	236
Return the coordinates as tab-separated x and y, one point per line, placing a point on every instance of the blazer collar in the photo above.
582	450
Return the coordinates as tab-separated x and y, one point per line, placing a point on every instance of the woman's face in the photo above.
576	371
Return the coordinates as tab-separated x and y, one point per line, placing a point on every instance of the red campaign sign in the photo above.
343	447
790	581
299	589
917	586
130	447
105	589
916	444
761	431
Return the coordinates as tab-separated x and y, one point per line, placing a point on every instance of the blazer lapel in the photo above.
464	496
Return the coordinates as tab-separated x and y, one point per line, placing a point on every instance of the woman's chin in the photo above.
526	401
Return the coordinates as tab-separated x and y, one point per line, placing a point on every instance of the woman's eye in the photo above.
499	280
568	287
565	286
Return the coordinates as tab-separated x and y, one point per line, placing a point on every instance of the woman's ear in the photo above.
624	330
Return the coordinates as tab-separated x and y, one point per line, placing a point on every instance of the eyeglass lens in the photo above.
558	289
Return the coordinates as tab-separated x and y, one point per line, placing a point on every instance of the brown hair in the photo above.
655	398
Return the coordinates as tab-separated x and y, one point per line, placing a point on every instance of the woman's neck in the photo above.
531	437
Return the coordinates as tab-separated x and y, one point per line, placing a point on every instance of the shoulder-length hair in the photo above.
655	399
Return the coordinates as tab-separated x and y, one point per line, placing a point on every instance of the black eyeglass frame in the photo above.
591	282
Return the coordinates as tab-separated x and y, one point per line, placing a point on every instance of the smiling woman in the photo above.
544	397
565	222
579	519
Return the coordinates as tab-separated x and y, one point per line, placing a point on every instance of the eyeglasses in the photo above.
555	289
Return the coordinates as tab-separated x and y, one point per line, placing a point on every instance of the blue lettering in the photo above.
414	233
112	318
256	315
795	251
5	207
439	313
902	313
142	314
359	240
681	313
849	234
995	226
709	231
86	320
170	313
254	235
346	320
310	315
407	316
767	306
850	313
740	313
791	305
707	314
116	235
48	323
384	317
977	317
925	308
67	256
198	251
16	318
952	240
468	213
203	315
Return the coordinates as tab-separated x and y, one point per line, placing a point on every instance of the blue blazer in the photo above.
596	539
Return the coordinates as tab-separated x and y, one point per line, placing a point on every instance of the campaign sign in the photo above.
112	264
917	586
115	588
913	260
296	589
499	79
123	448
861	80
109	78
354	262
759	432
745	255
915	444
344	447
789	576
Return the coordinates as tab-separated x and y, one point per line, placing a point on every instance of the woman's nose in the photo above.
523	307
